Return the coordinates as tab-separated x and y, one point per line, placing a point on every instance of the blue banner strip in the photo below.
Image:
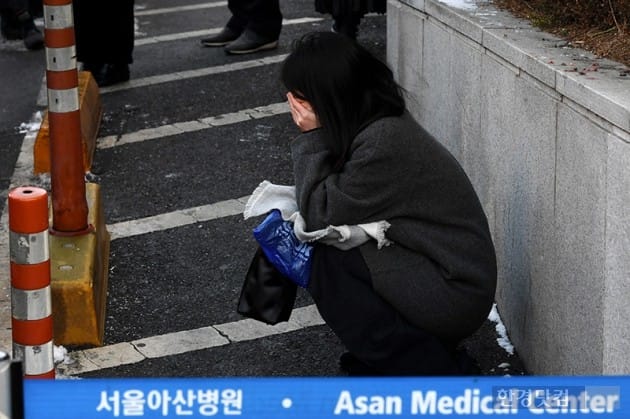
513	397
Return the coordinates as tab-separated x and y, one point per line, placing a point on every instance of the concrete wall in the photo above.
543	130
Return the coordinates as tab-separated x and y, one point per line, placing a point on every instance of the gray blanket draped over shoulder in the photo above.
440	273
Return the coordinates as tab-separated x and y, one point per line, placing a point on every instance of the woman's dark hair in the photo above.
346	85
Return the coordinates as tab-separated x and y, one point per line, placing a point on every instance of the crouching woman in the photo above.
361	158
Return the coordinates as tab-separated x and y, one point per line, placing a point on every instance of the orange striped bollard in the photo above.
31	306
67	175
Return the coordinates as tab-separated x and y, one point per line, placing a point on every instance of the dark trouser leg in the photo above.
15	15
104	31
347	24
238	20
14	6
260	16
120	48
10	25
367	325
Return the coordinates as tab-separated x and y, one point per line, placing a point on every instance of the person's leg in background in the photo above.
104	38
255	25
347	24
17	23
36	8
118	52
263	17
232	30
379	340
87	35
347	14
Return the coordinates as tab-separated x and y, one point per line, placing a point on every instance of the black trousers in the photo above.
260	16
104	31
370	328
11	8
339	8
14	5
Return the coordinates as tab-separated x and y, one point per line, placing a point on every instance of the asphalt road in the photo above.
21	73
194	132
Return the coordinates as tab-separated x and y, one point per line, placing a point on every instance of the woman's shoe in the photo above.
112	74
346	25
33	39
92	67
355	367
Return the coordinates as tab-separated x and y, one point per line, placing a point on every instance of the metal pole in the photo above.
70	209
11	388
31	302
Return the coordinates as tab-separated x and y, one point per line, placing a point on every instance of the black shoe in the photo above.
95	68
223	38
23	22
22	26
355	367
33	39
350	31
250	42
467	364
112	74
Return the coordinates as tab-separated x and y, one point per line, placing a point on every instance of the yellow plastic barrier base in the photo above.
90	111
79	270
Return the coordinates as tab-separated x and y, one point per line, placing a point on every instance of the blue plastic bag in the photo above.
283	249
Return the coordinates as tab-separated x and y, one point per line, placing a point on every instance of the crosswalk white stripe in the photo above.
184	8
196	34
111	356
190	74
192	126
175	36
140	226
176	219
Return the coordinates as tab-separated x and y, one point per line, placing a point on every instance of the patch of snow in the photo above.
59	354
33	125
503	339
504	365
461	4
59	376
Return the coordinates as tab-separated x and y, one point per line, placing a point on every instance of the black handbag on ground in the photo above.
267	295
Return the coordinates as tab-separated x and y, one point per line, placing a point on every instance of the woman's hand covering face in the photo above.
302	113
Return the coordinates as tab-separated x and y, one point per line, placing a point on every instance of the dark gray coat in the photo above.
440	273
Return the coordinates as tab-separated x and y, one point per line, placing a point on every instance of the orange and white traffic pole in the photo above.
70	209
31	305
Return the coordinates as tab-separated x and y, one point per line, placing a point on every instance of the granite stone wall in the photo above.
543	131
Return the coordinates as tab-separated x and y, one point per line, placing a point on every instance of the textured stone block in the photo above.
617	287
580	209
516	153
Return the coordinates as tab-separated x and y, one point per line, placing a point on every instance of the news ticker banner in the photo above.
513	397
